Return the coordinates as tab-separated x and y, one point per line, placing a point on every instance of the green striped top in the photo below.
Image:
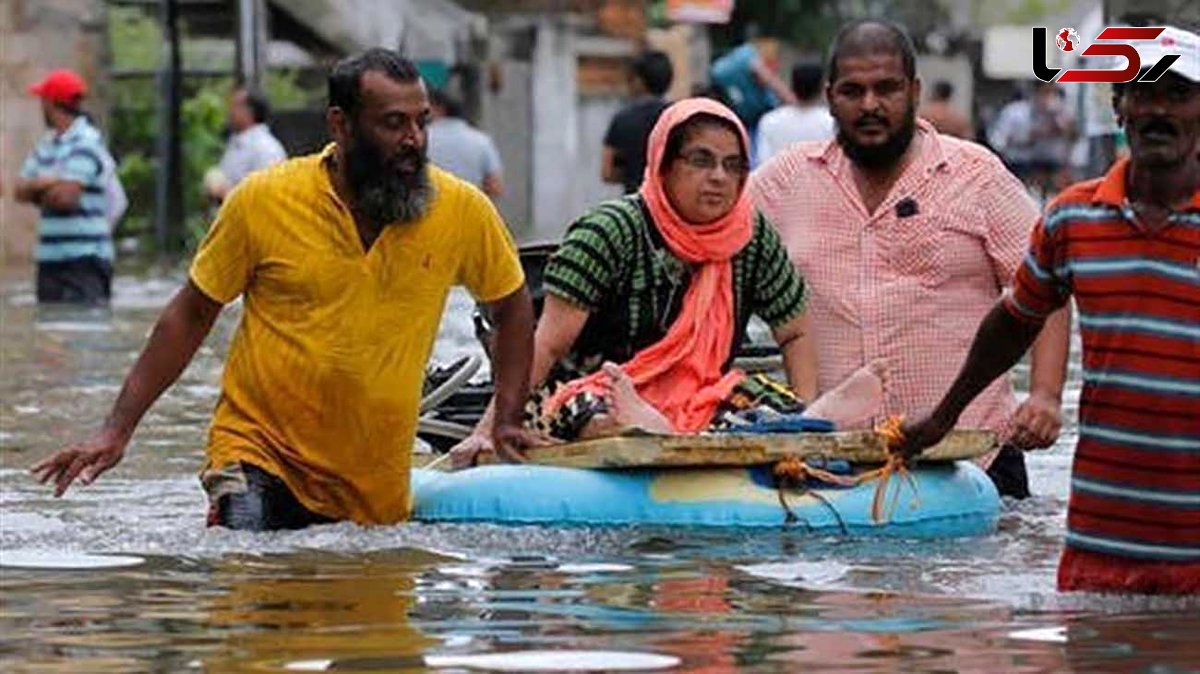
614	263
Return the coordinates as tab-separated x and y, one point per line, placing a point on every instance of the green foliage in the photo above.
135	133
1024	12
137	177
134	38
284	90
807	25
203	125
135	42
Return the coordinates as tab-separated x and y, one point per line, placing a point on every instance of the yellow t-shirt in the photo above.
323	381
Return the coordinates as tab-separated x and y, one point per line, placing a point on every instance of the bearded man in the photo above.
907	238
343	260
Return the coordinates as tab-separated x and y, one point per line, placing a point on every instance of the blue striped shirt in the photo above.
78	155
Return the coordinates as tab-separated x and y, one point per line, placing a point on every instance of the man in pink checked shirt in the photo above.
907	238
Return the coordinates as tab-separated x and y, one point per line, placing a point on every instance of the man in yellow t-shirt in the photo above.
343	260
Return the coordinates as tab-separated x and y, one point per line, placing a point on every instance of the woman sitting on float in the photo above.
664	282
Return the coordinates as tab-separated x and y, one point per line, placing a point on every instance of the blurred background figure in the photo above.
807	120
708	90
941	112
1010	133
251	145
70	177
624	155
749	77
1034	135
462	149
1054	132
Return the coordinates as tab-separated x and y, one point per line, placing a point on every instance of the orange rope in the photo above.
792	470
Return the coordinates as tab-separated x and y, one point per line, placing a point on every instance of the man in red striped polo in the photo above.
1127	247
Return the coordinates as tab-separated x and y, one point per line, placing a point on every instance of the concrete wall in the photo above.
422	29
556	145
37	36
1183	14
507	115
688	48
595	113
954	69
569	133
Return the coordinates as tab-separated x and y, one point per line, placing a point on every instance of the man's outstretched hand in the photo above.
86	460
923	434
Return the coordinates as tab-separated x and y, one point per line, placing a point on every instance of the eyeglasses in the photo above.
707	161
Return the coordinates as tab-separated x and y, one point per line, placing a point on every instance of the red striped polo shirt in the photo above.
1135	483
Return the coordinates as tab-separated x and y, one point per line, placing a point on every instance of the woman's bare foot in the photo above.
601	426
856	400
630	409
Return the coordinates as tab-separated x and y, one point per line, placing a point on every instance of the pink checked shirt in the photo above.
910	289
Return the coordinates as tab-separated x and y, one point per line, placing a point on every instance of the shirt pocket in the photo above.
916	250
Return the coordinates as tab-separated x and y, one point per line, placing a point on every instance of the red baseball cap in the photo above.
60	86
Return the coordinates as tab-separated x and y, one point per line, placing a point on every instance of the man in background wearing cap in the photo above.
1127	247
65	177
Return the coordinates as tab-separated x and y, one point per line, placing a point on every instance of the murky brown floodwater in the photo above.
412	597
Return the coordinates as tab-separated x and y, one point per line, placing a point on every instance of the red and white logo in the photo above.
1112	42
1067	40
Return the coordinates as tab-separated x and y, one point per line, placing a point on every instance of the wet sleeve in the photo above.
590	261
1009	214
490	268
1043	282
779	292
225	262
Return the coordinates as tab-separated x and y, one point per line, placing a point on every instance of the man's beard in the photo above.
388	190
885	154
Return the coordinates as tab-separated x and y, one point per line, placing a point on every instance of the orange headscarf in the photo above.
680	375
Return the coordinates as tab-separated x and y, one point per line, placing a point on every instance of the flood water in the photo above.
415	596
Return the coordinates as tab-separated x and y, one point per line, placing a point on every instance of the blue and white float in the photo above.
941	501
